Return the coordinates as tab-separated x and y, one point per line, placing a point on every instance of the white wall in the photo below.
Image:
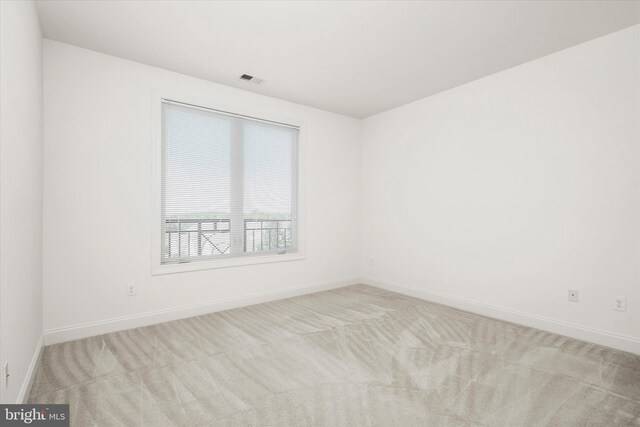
20	193
511	189
97	205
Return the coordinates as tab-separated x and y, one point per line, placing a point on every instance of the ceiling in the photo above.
355	58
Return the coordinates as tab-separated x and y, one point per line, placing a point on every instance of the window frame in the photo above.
298	253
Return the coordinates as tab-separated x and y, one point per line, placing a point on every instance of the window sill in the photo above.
224	263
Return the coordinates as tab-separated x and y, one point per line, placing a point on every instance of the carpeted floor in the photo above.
355	356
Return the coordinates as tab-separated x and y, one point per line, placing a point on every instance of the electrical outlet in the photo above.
370	260
6	374
573	295
619	303
131	290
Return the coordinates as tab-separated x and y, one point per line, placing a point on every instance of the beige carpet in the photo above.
356	356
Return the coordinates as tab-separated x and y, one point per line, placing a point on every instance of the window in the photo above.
229	185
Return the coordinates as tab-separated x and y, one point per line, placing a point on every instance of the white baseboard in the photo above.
25	390
596	336
85	330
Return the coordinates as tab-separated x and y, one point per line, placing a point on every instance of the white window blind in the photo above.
229	185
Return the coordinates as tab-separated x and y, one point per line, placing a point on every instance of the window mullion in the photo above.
237	188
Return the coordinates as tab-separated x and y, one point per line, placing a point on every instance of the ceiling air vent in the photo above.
252	79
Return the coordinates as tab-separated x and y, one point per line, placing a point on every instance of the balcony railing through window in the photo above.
188	238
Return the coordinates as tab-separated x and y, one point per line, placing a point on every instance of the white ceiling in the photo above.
354	58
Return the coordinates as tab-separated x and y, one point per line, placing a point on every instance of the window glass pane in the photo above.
268	186
196	182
